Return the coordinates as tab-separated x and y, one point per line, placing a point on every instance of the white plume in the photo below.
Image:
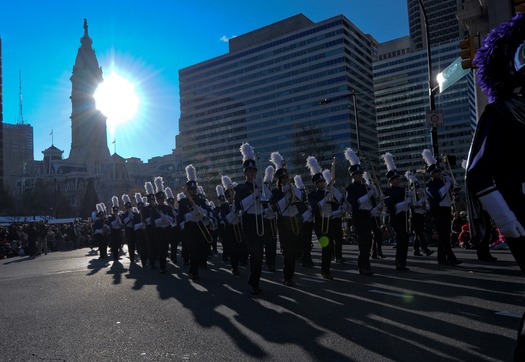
145	201
114	201
247	152
268	174
181	196
138	197
313	165
159	184
464	164
351	156
104	209
135	210
389	161
99	208
226	182
427	156
298	182
410	177
327	176
200	190
149	188
169	193
191	173
276	159
220	190
126	199
235	184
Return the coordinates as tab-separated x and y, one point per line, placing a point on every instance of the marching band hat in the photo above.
390	166
391	174
355	169
432	165
355	163
248	157
315	170
191	175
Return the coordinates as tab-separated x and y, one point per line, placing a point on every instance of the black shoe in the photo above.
374	256
382	256
235	271
340	260
417	253
487	258
455	262
363	271
289	283
163	271
429	252
271	268
308	264
255	289
327	276
402	268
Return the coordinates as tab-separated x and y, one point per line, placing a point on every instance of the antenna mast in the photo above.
20	114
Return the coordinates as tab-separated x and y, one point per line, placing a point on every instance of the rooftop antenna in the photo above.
20	114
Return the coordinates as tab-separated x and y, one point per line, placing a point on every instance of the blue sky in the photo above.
146	42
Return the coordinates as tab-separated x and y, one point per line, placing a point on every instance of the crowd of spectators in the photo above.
20	239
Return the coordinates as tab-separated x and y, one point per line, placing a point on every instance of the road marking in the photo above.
509	314
388	293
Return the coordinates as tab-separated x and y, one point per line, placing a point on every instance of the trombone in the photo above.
325	221
203	229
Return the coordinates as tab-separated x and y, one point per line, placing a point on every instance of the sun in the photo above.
117	99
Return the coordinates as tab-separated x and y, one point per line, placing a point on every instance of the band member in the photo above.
140	228
129	231
305	212
320	201
164	220
338	210
271	231
147	212
418	215
376	217
397	204
233	233
175	230
248	198
192	211
438	190
284	201
116	236
359	195
184	249
101	231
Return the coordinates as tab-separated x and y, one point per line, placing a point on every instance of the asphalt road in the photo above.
71	306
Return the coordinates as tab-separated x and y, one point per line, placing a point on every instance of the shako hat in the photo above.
159	187
431	161
126	200
150	192
191	175
114	202
248	157
390	166
315	169
277	160
169	194
355	163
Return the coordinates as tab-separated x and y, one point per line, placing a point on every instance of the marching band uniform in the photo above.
440	202
305	213
129	231
164	220
359	196
321	208
397	204
150	225
376	219
248	199
116	236
338	210
196	235
184	249
175	230
283	202
418	215
270	225
140	229
100	232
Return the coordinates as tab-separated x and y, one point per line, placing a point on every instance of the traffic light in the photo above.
467	52
519	6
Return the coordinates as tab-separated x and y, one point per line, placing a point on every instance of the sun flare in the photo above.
117	99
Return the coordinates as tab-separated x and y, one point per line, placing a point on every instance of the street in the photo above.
71	306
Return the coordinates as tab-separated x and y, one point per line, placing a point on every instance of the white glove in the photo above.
448	183
500	212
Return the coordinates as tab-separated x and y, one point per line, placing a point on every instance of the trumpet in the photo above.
203	229
325	221
259	217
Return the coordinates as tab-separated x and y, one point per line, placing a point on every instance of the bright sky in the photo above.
146	43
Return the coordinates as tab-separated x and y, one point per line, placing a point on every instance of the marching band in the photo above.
264	214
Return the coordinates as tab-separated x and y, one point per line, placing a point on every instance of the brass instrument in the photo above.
237	227
258	202
325	225
294	221
203	229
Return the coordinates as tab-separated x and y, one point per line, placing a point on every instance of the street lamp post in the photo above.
353	94
431	99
